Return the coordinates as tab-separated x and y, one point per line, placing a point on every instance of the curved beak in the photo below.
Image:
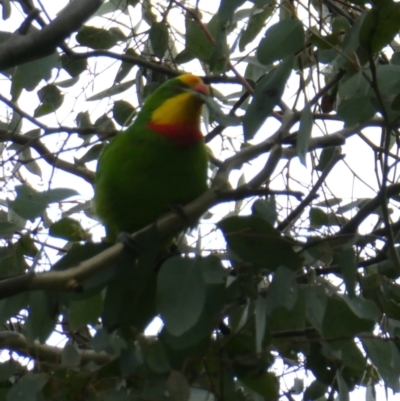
202	88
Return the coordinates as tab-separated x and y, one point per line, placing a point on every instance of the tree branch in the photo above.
19	49
52	158
11	340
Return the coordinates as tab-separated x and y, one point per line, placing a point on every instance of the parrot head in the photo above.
174	110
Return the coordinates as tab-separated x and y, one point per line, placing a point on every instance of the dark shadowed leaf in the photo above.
85	311
96	38
59	194
315	391
346	259
114	90
73	67
304	135
266	209
42	318
93	153
318	218
7	229
267	94
281	40
357	110
70	356
339	320
385	356
316	301
266	385
68	229
254	240
159	38
123	112
254	25
380	25
28	203
12	305
180	293
154	354
27	388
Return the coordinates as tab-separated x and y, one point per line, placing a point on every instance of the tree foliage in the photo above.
294	264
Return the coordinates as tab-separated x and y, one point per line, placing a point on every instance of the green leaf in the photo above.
226	10
197	43
178	386
104	122
28	203
123	112
93	153
107	342
7	229
114	90
10	368
70	356
380	25
346	259
283	318
215	111
266	209
255	24
154	355
350	354
27	387
68	229
85	311
42	317
50	94
219	56
261	320
363	308
343	388
11	306
315	391
283	282
29	163
158	36
213	270
267	94
67	83
283	39
45	108
256	241
383	355
180	293
29	75
304	135
27	246
6	12
265	384
125	67
73	67
316	301
96	38
318	218
339	320
59	194
83	120
356	110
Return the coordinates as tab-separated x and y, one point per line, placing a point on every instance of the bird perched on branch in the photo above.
159	161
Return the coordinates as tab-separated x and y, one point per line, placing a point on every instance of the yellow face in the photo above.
184	108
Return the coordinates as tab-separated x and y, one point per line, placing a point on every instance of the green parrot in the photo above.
159	161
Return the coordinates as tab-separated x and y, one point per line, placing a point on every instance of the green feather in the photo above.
142	173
